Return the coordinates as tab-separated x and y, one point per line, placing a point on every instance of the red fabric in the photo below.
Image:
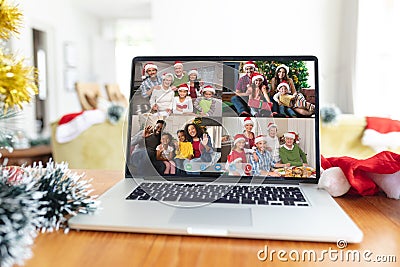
69	117
196	149
382	125
355	170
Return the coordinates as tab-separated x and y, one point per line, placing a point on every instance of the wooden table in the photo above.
28	156
377	216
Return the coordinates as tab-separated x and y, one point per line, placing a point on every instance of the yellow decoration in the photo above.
17	81
10	19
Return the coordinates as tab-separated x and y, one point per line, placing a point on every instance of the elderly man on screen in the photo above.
291	154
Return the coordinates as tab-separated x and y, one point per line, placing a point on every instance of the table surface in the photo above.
377	216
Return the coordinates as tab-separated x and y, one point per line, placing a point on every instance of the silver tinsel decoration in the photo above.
65	194
20	215
38	198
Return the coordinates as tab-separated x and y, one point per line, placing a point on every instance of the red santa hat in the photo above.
237	138
283	66
259	138
381	133
178	63
72	125
284	84
168	74
193	71
290	135
183	86
208	88
147	66
248	120
270	125
256	76
249	64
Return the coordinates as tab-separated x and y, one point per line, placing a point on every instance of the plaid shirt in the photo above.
245	80
148	84
264	163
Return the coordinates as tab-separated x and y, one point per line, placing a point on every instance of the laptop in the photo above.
214	148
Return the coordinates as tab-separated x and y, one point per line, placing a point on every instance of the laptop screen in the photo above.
232	117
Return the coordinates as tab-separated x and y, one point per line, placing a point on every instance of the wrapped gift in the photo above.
254	103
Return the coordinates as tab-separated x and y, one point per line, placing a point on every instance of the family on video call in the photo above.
191	125
185	92
234	149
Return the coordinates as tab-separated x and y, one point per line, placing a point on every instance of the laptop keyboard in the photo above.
238	194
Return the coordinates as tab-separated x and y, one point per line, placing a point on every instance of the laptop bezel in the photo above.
210	178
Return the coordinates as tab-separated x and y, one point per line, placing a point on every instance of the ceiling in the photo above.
116	9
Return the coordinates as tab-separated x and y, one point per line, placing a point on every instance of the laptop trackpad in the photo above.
212	216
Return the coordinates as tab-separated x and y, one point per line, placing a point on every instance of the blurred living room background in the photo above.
94	41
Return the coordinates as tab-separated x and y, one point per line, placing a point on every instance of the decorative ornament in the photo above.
329	114
65	194
20	211
114	113
17	81
10	19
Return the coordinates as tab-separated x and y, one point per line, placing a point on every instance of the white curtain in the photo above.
377	84
305	129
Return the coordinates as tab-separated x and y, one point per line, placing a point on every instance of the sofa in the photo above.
102	146
99	147
344	138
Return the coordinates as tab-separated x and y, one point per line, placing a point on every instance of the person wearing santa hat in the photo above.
285	100
144	154
289	103
291	154
195	85
237	157
259	101
206	104
248	133
241	98
183	103
180	76
273	141
162	97
151	79
265	163
281	75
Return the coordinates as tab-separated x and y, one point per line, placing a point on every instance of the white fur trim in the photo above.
260	138
208	89
238	139
289	135
150	66
193	71
68	131
248	120
380	141
284	84
249	65
257	77
283	66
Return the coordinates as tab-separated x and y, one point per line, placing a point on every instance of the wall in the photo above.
62	22
323	28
